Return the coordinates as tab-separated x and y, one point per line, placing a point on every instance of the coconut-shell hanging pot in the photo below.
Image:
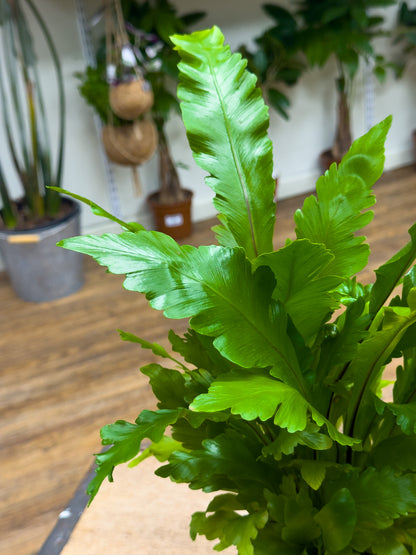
131	99
131	144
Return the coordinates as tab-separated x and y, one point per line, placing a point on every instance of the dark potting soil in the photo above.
25	223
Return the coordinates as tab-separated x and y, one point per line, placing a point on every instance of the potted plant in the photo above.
276	61
129	136
148	26
32	217
276	399
343	31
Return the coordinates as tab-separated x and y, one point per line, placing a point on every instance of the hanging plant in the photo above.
130	95
132	144
131	99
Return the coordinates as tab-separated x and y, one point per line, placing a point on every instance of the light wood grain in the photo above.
64	372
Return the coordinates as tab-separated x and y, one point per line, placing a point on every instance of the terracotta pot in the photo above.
130	100
172	219
131	144
326	158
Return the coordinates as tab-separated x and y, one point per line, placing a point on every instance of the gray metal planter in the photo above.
38	270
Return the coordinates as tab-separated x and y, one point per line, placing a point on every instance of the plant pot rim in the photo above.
75	209
153	198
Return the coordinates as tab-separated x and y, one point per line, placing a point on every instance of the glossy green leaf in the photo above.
214	286
299	524
161	450
302	285
156	349
336	213
224	463
126	439
169	386
405	384
341	341
200	351
398	452
405	416
382	496
338	519
99	211
313	472
226	122
257	395
230	527
286	441
389	274
366	368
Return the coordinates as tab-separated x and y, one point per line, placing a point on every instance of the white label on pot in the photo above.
173	220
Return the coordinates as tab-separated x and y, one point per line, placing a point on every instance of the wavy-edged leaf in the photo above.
398	452
338	519
341	341
226	122
300	286
313	472
161	450
230	527
126	439
156	349
199	350
214	286
286	442
336	213
169	386
381	496
226	462
389	274
366	368
256	395
292	511
405	416
405	384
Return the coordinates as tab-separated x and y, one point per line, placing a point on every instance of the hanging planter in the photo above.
131	99
130	144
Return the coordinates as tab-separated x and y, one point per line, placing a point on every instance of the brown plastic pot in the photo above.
326	159
172	219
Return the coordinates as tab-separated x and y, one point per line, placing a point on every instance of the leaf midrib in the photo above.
234	154
219	294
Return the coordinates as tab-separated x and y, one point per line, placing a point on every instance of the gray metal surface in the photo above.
39	270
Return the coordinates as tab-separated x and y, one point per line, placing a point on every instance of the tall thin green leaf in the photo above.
342	195
226	122
389	274
366	367
8	212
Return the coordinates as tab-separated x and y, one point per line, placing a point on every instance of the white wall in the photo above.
297	142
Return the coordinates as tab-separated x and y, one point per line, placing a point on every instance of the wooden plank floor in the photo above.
64	372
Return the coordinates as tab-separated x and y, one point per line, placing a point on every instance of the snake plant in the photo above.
28	158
